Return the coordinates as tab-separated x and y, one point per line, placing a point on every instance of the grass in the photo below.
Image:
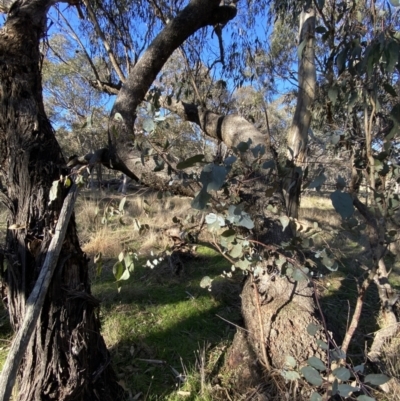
167	335
158	322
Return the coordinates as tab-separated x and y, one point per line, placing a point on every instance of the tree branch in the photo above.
197	14
106	45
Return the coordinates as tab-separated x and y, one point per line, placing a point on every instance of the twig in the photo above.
233	324
357	312
263	342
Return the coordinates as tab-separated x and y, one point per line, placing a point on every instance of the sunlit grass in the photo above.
154	326
160	321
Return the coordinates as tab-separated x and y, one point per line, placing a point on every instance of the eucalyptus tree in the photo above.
61	362
66	358
359	58
78	112
239	135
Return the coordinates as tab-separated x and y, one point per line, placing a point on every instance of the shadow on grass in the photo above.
159	322
338	297
339	290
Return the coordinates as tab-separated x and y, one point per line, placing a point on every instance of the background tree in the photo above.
137	146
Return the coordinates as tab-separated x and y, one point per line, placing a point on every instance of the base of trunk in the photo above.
285	309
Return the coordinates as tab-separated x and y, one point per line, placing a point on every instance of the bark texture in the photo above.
276	312
297	140
66	358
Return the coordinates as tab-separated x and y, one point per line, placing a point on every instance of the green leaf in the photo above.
118	117
200	201
301	47
345	389
376	379
268	164
243	146
227	237
395	3
129	265
342	373
315	397
239	217
190	162
312	375
67	182
205	282
284	221
300	274
335	385
365	398
359	368
290	375
148	125
118	270
125	275
236	251
243	264
213	177
389	89
333	94
316	363
392	53
290	361
341	60
212	218
353	97
322	344
343	203
337	354
312	329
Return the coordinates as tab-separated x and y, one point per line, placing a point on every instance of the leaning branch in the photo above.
196	15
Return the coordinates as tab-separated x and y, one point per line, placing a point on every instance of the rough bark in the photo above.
276	314
66	358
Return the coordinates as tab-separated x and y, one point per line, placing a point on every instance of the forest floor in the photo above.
167	335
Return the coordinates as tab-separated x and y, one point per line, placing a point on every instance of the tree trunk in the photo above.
277	310
277	326
297	140
67	358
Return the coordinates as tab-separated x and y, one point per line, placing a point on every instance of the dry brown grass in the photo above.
121	230
319	209
391	360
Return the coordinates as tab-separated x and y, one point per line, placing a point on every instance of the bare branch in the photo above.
106	45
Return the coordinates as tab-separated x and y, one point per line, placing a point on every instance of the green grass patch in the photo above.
159	322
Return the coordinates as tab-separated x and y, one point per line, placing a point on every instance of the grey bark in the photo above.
36	299
58	363
297	139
